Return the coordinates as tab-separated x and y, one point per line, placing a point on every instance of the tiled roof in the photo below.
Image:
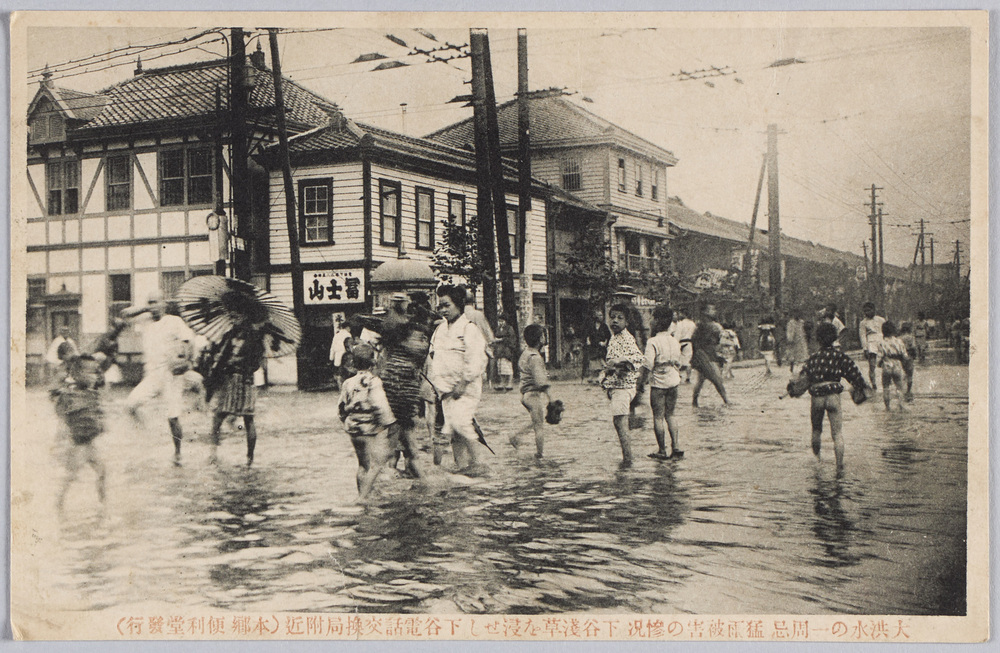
81	106
189	91
554	120
719	227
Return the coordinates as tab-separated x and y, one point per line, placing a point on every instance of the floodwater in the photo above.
748	522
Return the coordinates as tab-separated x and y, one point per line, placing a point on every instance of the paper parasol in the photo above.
213	306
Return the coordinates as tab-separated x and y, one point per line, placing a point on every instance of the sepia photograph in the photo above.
504	326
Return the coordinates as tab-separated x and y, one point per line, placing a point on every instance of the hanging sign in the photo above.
333	287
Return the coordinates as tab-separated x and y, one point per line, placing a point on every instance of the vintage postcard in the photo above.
333	326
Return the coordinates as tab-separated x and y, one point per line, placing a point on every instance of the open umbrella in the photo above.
213	306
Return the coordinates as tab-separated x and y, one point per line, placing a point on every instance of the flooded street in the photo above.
747	522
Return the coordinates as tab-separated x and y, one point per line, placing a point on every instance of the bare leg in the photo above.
675	436
836	421
72	468
178	436
217	419
657	403
621	427
251	437
817	412
699	381
98	467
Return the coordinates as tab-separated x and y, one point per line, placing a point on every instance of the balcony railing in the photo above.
638	263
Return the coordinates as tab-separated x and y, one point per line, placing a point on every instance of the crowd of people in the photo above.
415	360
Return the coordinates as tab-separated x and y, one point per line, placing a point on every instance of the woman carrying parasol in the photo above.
244	324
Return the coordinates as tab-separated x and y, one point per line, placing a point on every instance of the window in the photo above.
638	179
186	177
170	282
512	221
36	289
389	193
425	218
571	178
121	293
621	175
654	189
316	211
118	173
456	209
63	181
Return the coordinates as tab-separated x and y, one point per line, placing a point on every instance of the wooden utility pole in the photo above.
932	260
881	262
507	297
242	214
523	142
873	221
484	188
286	171
773	221
923	278
958	259
747	263
864	248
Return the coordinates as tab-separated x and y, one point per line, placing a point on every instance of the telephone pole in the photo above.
958	259
747	263
881	262
873	221
932	261
773	219
506	251
238	98
484	190
286	171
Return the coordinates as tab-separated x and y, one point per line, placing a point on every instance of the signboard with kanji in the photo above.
333	287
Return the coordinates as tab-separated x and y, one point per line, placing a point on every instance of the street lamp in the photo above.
218	238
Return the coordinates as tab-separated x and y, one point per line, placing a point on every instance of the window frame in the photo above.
622	177
64	187
513	231
384	186
451	216
638	178
317	182
115	306
185	181
429	193
654	185
571	168
110	185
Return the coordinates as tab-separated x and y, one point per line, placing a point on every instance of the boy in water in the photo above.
824	370
729	345
366	415
663	360
913	351
621	375
78	403
892	358
534	386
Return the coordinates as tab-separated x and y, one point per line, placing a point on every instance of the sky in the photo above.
857	106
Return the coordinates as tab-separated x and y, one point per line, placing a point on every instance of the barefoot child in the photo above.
663	360
78	403
892	358
913	351
824	369
534	386
620	376
366	415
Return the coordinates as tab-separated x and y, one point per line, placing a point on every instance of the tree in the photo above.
456	258
588	269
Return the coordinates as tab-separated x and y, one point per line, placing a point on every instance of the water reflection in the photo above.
832	526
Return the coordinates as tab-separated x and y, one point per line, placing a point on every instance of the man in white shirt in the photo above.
458	360
682	329
829	314
870	334
478	318
167	353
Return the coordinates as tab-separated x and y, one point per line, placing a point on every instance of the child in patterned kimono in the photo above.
620	376
365	412
824	370
892	358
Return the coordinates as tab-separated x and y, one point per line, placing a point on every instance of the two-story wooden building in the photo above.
366	196
120	184
605	166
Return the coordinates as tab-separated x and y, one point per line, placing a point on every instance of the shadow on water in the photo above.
834	529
